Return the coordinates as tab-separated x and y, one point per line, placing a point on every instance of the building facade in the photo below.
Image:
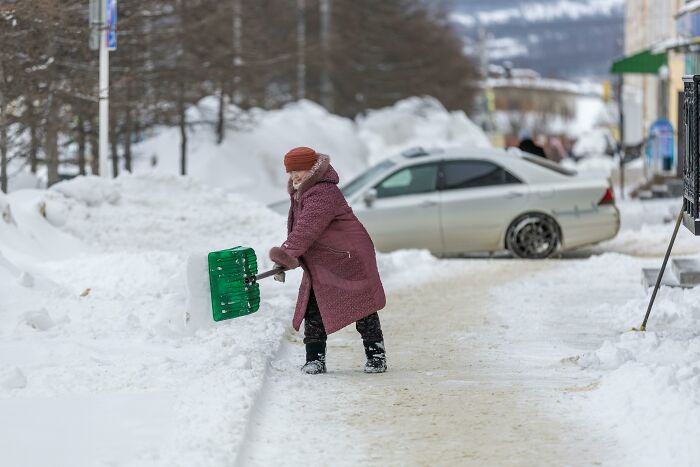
652	91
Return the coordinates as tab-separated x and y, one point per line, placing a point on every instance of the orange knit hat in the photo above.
301	158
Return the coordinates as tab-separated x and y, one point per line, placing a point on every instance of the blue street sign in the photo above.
111	19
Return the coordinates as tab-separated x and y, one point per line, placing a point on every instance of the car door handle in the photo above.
514	194
428	204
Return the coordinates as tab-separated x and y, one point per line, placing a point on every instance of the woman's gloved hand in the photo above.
279	256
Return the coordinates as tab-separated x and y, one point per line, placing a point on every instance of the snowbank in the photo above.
416	121
594	166
249	160
594	142
646	228
652	376
99	343
644	387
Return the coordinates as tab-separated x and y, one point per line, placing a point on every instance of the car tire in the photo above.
533	236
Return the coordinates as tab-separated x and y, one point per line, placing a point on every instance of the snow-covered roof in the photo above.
545	84
689	7
672	43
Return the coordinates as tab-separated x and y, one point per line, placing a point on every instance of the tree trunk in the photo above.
325	7
235	90
51	145
301	49
183	129
3	149
115	150
82	144
33	136
3	134
129	123
94	148
220	124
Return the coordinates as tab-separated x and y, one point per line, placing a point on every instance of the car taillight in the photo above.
608	197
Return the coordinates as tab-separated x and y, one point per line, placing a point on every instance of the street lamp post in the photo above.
103	18
104	93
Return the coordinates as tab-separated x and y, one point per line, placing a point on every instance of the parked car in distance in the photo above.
466	200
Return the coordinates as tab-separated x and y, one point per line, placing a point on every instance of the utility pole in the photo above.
621	123
103	37
104	92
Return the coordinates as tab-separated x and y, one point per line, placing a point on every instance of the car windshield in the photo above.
355	185
547	164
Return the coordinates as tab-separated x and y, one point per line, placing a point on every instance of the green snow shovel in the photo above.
233	276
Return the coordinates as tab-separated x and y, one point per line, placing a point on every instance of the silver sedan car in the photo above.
467	200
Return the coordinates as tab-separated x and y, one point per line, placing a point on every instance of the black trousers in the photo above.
369	327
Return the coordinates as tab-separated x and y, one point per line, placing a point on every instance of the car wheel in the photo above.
533	236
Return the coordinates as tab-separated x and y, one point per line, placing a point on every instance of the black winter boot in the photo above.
315	358
376	357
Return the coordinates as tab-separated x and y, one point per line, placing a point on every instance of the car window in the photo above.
474	174
361	180
409	181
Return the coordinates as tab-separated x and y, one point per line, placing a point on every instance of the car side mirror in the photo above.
370	197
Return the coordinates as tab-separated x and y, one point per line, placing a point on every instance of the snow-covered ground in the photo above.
98	367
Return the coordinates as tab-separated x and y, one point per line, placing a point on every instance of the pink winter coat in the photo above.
335	250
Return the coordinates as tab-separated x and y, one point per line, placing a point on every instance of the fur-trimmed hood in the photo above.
322	171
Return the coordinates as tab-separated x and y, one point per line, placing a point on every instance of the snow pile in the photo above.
646	229
644	387
249	160
599	166
99	341
416	121
594	142
90	191
652	376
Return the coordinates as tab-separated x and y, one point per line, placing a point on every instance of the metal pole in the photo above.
621	153
104	92
643	327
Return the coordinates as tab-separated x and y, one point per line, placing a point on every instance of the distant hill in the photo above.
558	38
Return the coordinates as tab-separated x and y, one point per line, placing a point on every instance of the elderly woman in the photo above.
341	283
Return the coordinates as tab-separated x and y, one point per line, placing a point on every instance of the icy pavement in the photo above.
456	393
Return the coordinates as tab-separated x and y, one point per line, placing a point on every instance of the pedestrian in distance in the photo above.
341	283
